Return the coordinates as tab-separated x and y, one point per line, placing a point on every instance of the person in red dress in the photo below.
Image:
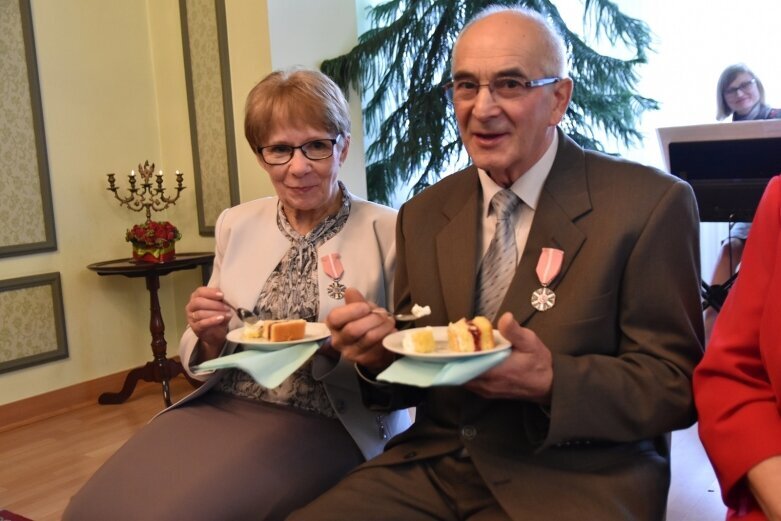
737	385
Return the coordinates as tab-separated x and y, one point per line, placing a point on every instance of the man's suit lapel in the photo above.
563	199
457	243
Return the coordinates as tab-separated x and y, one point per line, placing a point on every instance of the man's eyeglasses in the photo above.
314	150
502	88
732	91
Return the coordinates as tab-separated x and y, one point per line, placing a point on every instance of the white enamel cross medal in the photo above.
548	266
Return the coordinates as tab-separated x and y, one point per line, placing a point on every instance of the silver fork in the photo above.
248	317
398	317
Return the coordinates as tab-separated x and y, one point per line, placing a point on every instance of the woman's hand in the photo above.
208	317
764	480
357	330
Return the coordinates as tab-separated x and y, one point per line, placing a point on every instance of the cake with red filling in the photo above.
467	336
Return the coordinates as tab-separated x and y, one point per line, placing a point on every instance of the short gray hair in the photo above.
555	56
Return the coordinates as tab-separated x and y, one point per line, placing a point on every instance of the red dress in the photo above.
737	385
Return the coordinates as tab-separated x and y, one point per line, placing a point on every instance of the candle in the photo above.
132	173
160	173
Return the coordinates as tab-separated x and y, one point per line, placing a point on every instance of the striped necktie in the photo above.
498	266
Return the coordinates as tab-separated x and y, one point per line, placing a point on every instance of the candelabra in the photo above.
147	196
152	241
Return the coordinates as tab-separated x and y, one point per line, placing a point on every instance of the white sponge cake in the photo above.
277	330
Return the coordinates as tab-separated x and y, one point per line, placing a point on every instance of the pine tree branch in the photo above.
399	67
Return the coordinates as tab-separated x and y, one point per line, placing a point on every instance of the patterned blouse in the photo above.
292	291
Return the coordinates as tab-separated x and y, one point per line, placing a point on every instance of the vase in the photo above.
142	253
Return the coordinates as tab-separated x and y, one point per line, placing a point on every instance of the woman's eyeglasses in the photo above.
743	87
313	150
502	88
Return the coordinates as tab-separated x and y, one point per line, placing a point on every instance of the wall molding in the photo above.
34	314
26	198
207	78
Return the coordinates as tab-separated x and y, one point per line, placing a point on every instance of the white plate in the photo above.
314	331
393	342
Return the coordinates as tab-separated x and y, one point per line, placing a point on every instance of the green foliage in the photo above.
402	63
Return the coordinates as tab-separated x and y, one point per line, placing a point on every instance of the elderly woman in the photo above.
234	449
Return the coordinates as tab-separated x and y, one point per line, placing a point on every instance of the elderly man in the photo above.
572	424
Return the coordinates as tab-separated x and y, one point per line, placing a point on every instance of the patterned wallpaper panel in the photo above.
21	205
32	329
210	108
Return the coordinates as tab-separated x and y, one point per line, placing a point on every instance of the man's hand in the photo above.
357	330
527	374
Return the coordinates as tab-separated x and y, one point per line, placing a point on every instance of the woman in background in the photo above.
740	94
737	386
234	450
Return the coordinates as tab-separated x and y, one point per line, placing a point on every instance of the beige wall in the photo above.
113	92
303	33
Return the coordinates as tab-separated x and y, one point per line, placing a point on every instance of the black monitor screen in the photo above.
728	177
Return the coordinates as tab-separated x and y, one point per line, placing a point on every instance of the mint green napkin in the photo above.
410	371
268	368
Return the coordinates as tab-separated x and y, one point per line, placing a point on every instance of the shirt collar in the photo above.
528	186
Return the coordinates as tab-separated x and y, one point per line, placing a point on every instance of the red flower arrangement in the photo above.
153	241
153	233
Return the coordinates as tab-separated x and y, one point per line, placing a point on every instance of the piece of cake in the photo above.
277	330
419	341
467	336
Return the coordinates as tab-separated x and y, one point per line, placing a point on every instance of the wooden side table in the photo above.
161	368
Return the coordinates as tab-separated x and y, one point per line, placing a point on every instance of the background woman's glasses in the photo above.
743	87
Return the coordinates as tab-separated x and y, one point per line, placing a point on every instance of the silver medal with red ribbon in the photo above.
548	266
332	266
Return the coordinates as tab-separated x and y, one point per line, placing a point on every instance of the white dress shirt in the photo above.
528	187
